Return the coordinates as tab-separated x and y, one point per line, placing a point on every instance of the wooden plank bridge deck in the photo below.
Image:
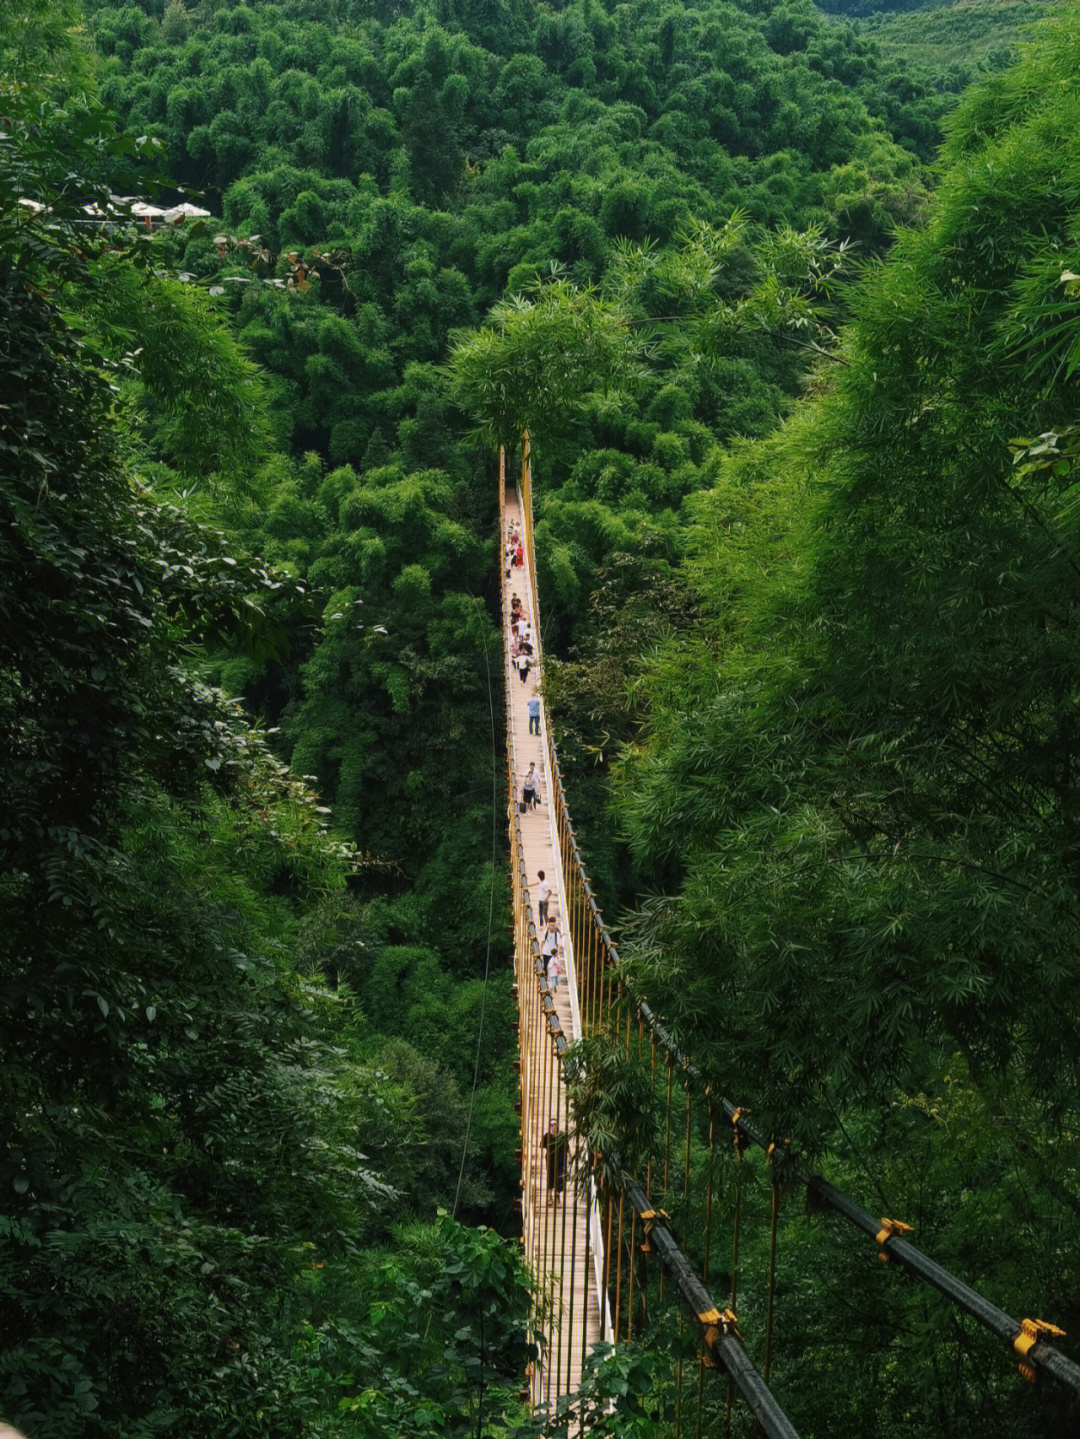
563	1255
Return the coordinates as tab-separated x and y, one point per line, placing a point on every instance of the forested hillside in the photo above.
814	683
415	171
949	46
835	695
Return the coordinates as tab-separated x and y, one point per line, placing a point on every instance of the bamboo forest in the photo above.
539	719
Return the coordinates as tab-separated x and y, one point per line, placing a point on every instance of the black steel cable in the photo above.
719	1336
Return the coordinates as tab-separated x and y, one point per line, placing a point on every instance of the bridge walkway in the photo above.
560	1232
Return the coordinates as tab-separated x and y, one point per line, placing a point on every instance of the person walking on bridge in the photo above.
533	706
550	940
543	898
530	789
554	1144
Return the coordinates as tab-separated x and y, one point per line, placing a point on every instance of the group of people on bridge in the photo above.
521	654
515	548
554	1142
521	645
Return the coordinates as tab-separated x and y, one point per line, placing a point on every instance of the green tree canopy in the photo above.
862	826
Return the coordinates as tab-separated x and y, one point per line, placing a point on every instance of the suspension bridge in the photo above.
596	1228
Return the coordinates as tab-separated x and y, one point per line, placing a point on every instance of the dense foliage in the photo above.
382	180
854	798
893	622
245	1060
845	764
206	1145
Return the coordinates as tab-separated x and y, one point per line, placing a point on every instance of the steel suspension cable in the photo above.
774	1199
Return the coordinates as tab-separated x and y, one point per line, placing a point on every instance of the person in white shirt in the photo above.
543	897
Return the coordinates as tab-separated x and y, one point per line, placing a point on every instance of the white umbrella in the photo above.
186	211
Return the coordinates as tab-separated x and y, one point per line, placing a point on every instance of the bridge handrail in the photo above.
1035	1357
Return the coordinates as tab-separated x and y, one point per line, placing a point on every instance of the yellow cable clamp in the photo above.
779	1154
1031	1332
738	1136
890	1228
720	1324
650	1218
